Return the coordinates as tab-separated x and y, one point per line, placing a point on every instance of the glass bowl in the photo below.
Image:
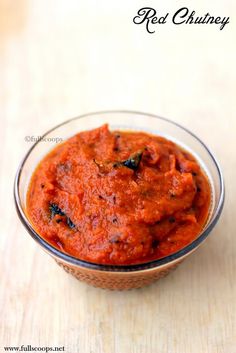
113	276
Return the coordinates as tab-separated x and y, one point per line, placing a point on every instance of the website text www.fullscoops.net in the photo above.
29	348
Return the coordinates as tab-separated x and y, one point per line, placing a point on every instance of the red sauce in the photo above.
118	197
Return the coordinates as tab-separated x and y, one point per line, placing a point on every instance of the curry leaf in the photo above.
55	210
134	161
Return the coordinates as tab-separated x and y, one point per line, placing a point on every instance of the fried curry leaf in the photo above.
134	161
70	223
55	210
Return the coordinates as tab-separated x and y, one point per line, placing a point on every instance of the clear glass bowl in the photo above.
130	276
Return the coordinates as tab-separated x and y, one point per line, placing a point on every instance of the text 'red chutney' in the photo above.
118	197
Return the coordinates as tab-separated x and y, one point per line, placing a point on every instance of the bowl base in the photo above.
116	280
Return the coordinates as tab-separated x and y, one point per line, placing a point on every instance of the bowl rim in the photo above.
117	268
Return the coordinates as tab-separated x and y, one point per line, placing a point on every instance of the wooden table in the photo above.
63	58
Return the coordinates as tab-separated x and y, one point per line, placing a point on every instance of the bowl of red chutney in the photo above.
122	200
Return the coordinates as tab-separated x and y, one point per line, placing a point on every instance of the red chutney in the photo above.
118	197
